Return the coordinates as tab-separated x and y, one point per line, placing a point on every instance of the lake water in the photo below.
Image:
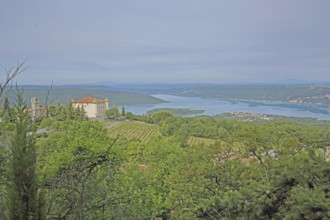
214	107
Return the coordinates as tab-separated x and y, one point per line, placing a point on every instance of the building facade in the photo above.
93	107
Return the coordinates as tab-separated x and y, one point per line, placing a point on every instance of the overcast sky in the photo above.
79	41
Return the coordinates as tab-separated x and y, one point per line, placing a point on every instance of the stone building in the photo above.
37	110
93	107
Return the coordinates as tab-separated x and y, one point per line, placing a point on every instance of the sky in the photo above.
217	41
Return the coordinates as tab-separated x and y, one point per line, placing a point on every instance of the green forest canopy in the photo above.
165	167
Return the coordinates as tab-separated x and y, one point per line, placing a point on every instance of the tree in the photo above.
10	76
112	113
60	113
6	131
79	114
79	172
69	112
23	188
123	111
20	168
129	115
7	113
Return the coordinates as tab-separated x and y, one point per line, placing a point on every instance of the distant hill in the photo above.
146	88
139	93
315	94
298	81
64	94
177	111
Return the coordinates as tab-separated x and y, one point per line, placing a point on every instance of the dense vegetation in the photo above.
167	167
159	166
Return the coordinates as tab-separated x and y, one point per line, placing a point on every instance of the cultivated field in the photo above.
134	130
201	141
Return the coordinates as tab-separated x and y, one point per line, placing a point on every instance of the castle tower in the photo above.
35	106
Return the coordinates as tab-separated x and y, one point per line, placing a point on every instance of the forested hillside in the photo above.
317	94
64	95
161	166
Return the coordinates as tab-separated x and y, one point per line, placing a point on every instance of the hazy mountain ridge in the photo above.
63	95
315	94
294	93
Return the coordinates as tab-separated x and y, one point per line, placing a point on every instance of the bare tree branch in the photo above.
10	75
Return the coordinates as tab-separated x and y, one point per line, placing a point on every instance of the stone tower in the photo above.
35	106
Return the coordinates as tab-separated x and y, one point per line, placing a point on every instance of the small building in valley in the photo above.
93	107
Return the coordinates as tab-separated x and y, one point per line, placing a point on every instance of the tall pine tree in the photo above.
23	187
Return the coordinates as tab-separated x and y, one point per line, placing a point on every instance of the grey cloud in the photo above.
149	40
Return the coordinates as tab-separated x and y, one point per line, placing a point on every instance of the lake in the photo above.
215	106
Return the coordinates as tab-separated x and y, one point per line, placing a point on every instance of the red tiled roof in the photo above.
89	99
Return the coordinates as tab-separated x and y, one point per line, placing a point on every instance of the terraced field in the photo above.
134	130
